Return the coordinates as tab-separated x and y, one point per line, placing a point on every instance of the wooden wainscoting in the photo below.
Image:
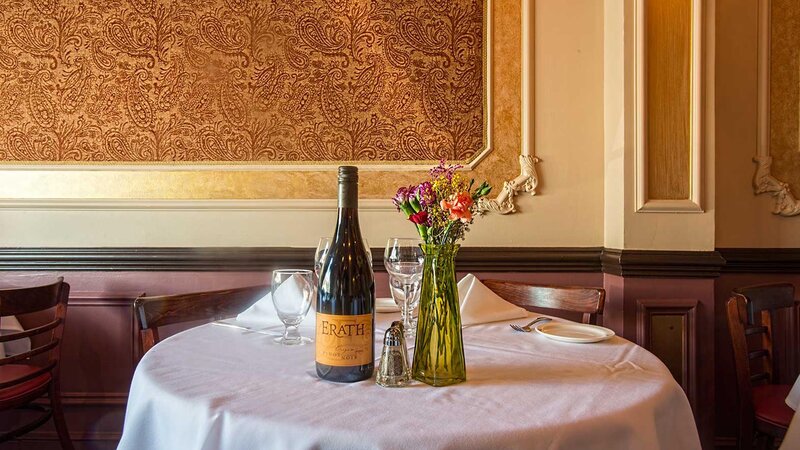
668	328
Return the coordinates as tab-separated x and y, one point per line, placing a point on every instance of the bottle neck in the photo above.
348	195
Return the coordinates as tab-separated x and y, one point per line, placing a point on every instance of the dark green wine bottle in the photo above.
346	296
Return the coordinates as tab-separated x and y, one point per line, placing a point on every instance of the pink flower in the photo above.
420	218
458	206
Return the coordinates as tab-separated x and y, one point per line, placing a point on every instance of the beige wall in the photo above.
743	219
568	136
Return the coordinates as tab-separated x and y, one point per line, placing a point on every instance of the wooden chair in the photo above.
23	381
582	300
155	312
762	406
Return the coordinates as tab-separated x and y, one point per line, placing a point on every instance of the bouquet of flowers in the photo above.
443	207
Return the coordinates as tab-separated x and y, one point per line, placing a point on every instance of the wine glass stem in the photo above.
291	333
406	303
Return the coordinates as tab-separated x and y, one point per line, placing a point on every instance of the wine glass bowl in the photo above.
292	293
403	260
320	254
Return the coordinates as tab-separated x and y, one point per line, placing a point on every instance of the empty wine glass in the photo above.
323	246
292	292
403	260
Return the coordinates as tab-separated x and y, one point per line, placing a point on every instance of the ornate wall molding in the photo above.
643	201
763	181
527	180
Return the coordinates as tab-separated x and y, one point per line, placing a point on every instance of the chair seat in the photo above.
769	402
34	386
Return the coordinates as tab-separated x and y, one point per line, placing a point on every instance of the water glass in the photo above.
292	293
403	260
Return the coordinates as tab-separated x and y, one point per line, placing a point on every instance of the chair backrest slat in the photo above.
18	301
766	297
30	332
587	301
30	353
158	311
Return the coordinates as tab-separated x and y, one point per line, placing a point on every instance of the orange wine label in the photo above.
344	340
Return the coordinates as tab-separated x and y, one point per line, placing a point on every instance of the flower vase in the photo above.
439	349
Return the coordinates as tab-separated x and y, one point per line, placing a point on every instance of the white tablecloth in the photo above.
10	325
792	438
219	388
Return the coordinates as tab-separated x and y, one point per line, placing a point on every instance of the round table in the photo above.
215	387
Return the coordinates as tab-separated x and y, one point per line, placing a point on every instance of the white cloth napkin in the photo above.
479	304
10	325
262	313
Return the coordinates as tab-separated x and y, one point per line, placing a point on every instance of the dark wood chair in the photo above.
762	407
155	312
23	379
582	300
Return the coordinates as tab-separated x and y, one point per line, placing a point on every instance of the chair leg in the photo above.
58	416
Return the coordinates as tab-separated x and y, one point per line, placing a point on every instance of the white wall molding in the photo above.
763	182
527	180
311	205
642	200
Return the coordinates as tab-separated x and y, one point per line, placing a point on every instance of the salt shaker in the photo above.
394	370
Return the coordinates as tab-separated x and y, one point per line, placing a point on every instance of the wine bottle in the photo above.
346	296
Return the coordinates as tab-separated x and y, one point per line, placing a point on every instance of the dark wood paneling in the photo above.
630	263
761	260
662	264
483	259
677	348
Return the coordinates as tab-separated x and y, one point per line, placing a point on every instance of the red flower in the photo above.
420	218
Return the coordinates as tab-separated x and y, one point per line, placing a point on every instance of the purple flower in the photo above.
401	198
444	170
425	194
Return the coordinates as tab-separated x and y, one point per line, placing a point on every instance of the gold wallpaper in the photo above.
785	92
241	81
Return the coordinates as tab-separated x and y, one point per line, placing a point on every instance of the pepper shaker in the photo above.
394	370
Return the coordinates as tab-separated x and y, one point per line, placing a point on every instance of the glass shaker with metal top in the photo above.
394	370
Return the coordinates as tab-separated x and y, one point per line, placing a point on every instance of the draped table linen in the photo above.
220	388
792	438
10	325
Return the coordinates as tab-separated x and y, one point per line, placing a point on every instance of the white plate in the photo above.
574	332
386	305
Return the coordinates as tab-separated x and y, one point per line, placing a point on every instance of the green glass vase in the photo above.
439	349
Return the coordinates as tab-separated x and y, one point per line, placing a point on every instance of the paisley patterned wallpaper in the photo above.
238	81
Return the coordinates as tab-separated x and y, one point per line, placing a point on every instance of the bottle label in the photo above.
344	340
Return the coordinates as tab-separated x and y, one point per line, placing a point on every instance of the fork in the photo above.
527	328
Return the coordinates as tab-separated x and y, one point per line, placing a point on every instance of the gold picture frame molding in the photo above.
110	186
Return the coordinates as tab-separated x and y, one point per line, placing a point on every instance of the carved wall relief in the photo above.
778	154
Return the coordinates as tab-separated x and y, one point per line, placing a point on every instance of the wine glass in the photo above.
292	292
403	260
323	246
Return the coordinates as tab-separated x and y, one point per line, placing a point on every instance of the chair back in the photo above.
20	301
750	316
587	301
158	311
